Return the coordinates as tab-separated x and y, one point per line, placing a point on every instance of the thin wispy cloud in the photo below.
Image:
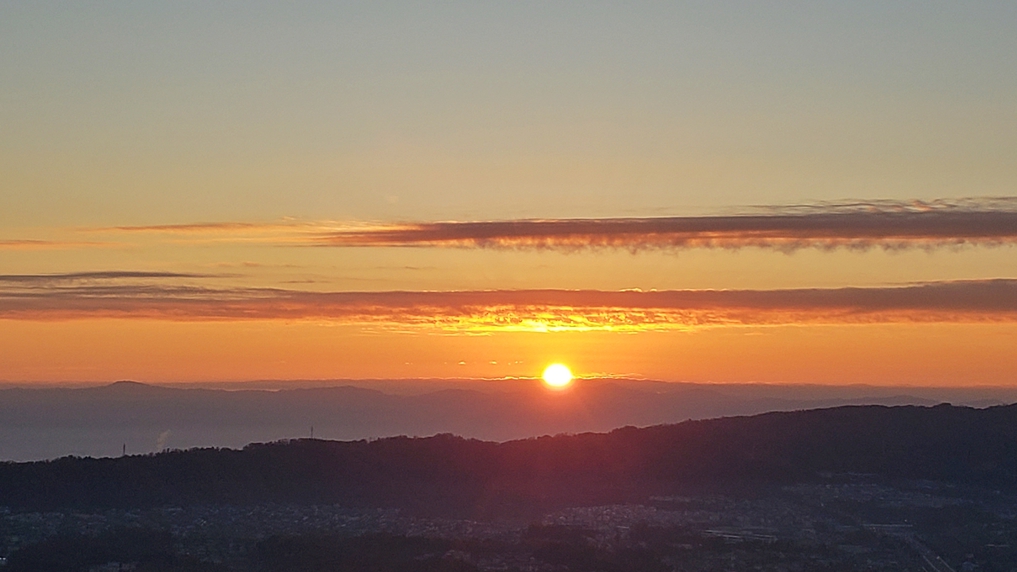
284	232
198	227
98	275
524	310
853	225
31	244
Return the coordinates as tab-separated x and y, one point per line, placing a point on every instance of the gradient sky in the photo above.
194	191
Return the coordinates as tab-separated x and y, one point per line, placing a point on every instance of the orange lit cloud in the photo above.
124	295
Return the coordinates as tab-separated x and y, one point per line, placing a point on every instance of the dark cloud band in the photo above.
784	231
858	224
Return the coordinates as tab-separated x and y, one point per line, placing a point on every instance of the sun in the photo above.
557	376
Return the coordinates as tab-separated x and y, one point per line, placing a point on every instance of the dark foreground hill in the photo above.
450	475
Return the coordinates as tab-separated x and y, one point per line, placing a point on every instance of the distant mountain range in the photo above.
446	474
43	423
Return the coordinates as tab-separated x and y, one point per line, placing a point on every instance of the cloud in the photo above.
853	225
856	225
101	275
50	245
194	227
283	232
525	310
162	440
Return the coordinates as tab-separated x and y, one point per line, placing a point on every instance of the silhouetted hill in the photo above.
448	474
44	423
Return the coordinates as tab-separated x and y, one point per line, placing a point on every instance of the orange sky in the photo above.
158	351
241	301
716	193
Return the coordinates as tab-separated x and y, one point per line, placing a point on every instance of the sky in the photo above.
817	192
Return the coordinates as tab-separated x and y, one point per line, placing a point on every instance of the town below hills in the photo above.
844	488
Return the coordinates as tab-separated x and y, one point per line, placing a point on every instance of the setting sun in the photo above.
557	376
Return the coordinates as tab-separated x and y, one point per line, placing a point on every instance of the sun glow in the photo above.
557	376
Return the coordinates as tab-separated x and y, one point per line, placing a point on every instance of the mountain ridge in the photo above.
100	421
450	474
